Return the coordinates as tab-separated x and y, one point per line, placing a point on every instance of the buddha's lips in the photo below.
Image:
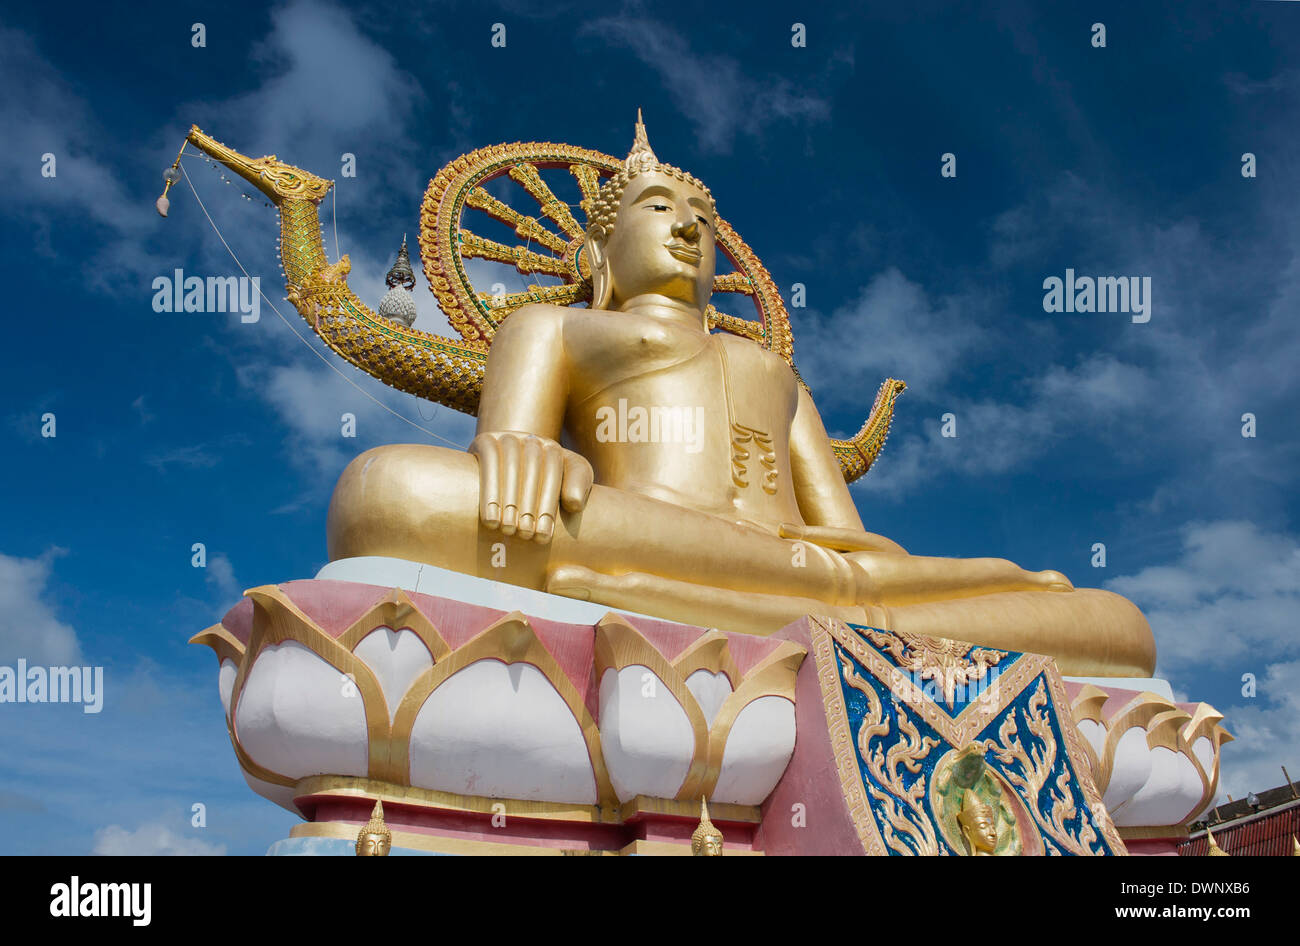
684	252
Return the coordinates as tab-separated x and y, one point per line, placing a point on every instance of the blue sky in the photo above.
1073	428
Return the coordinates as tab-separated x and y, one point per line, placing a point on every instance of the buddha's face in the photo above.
707	846
663	242
981	830
374	845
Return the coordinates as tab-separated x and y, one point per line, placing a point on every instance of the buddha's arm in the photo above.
524	473
524	386
827	508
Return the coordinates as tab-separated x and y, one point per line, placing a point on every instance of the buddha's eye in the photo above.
660	207
702	220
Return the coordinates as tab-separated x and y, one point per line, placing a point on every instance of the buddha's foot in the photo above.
689	603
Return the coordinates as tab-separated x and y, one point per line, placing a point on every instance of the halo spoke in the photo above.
588	180
502	305
736	326
733	282
522	258
526	227
526	174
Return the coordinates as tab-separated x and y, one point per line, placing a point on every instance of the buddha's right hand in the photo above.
523	480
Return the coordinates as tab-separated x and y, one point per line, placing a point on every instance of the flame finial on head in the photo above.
706	840
641	155
377	828
972	808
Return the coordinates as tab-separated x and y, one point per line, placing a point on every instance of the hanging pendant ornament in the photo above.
170	177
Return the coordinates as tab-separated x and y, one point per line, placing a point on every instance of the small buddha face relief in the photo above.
663	241
707	846
374	845
981	831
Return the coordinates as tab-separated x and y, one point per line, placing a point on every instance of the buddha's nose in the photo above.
687	231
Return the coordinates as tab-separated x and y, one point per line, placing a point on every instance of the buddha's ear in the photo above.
602	286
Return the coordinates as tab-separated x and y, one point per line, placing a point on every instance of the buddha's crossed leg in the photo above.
623	549
636	553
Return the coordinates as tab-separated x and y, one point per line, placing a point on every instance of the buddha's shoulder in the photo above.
750	351
571	321
536	315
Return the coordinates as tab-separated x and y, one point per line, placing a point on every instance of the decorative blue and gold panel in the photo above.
945	747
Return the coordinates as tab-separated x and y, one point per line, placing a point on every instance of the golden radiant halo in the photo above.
553	244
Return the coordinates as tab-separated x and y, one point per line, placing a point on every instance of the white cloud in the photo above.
713	91
310	399
1159	398
47	117
151	840
1234	590
893	329
330	83
221	578
191	456
28	625
1284	81
1267	734
1100	395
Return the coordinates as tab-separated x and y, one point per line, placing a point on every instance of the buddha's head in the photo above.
706	840
374	839
978	824
651	230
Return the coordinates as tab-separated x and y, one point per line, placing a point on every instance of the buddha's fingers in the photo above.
530	475
578	478
489	489
548	494
511	451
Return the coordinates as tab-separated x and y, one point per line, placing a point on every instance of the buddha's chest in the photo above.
731	377
615	345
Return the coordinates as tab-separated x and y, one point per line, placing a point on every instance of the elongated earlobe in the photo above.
602	287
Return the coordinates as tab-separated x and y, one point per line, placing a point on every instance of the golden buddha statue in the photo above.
706	840
374	839
715	499
979	826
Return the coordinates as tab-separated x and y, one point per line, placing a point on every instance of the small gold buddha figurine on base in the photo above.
374	839
706	841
